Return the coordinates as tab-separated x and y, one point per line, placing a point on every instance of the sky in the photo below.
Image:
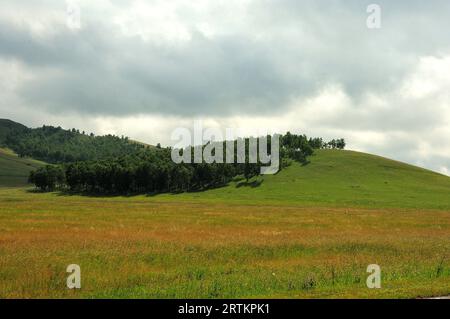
144	68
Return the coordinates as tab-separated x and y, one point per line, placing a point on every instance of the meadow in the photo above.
14	170
308	232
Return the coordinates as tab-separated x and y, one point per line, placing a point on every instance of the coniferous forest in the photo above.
56	145
115	165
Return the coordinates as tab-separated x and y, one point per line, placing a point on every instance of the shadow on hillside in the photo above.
304	163
239	181
36	191
94	194
130	194
252	184
190	191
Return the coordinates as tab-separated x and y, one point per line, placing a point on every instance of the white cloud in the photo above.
431	77
157	21
142	68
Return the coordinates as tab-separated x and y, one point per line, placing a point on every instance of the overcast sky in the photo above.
143	68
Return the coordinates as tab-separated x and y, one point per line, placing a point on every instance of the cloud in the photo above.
141	68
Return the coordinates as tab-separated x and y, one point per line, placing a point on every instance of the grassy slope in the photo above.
14	170
239	241
339	178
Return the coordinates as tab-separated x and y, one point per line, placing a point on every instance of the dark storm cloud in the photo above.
284	50
84	72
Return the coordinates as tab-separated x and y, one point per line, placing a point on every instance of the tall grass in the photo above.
141	248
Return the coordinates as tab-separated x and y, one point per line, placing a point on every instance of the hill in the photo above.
58	145
240	241
331	178
14	170
261	239
7	127
338	178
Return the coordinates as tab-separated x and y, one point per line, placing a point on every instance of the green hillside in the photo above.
14	170
58	145
7	127
306	232
339	178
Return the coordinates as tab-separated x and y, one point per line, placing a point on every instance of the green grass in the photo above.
309	231
14	170
339	179
136	247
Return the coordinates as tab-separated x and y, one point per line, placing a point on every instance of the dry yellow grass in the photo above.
137	247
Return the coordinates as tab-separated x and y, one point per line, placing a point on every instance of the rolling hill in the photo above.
14	170
7	127
339	178
58	145
332	177
308	232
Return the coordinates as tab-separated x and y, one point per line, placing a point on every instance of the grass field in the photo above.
309	231
14	170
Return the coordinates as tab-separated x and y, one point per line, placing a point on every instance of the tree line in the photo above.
151	170
56	145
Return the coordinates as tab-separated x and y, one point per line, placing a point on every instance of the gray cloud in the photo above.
283	50
225	59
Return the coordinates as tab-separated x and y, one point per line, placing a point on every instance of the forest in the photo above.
56	145
151	170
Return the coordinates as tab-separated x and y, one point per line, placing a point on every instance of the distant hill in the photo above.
331	178
57	145
338	178
14	170
8	127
